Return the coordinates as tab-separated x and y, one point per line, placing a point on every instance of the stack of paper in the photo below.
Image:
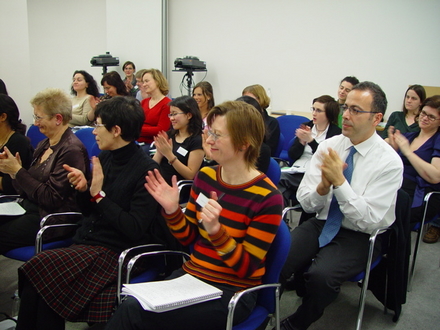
162	296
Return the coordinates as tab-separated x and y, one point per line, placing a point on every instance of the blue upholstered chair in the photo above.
27	252
88	139
288	125
34	134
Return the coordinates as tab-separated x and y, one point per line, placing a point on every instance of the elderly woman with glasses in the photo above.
44	187
420	152
78	283
180	151
322	126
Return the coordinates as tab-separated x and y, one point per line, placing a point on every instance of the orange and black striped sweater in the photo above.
249	222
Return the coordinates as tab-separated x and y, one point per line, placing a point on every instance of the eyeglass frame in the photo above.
172	115
312	109
424	114
97	125
355	112
214	136
38	118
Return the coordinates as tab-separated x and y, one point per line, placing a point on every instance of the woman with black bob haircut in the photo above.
180	151
130	120
12	136
113	85
78	283
85	95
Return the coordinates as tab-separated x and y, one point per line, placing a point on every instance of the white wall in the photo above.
302	49
297	49
45	41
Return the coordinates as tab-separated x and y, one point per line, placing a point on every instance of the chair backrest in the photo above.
275	259
274	171
280	145
288	125
88	139
34	134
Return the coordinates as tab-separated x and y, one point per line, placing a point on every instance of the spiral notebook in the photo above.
162	296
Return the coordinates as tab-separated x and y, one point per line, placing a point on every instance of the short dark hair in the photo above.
188	105
331	107
421	93
126	112
113	78
351	79
92	88
129	63
380	102
9	107
433	102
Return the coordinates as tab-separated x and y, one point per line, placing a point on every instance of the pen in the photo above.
219	197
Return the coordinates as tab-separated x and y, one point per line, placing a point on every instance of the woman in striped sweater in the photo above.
231	220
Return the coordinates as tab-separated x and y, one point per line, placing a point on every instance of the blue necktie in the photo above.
334	218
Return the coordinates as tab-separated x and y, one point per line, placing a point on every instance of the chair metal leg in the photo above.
363	296
419	238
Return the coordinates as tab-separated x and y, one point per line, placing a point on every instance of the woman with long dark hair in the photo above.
85	95
180	151
12	136
404	120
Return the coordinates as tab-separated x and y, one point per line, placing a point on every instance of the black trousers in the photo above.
288	186
34	313
19	231
207	315
343	258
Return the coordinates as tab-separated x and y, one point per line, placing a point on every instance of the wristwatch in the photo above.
101	194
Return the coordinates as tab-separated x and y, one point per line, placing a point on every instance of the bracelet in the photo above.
173	160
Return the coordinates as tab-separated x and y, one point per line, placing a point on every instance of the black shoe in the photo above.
285	324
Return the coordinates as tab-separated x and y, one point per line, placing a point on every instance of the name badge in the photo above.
182	151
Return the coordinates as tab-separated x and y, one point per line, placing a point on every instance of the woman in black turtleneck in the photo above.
79	283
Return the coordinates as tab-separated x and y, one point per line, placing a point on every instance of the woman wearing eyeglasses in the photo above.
180	151
44	187
404	120
231	220
420	152
78	283
323	125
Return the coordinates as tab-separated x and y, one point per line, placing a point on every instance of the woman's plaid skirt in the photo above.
79	282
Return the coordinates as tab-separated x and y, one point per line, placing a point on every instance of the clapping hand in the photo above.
164	145
304	134
167	196
9	163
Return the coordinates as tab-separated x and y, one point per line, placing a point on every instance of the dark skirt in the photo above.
78	283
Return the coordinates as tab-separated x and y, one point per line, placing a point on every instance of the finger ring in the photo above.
71	185
200	220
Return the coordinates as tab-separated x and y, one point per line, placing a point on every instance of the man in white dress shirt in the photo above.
366	200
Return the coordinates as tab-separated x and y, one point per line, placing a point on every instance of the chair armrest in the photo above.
122	258
39	237
15	198
133	260
426	200
53	215
282	161
235	299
